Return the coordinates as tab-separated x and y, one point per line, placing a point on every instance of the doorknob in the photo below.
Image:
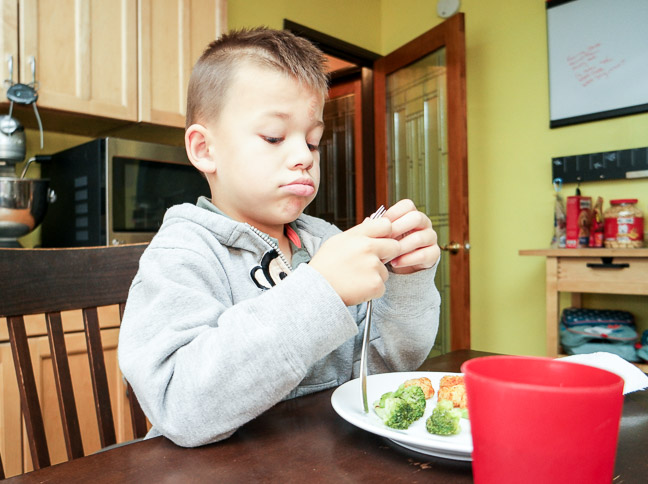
453	247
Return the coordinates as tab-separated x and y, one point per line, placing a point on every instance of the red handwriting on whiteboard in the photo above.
591	65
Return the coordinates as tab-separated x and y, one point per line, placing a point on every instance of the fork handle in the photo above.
363	357
365	338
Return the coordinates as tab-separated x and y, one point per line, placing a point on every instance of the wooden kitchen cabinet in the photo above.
8	38
84	54
13	439
172	36
128	60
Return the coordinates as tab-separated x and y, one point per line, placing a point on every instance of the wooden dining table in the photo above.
304	440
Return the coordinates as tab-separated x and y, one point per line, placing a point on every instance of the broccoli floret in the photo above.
381	403
415	396
444	419
396	413
401	408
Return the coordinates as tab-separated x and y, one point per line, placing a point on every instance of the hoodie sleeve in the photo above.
201	366
405	322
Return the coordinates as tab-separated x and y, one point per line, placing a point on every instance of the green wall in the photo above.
355	21
510	145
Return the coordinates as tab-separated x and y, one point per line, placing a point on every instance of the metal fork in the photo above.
365	339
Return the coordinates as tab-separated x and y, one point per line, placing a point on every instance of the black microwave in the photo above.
113	191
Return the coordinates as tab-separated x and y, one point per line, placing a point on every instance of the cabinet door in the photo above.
82	384
9	40
10	416
85	55
171	38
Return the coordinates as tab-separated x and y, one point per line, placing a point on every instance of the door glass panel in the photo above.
417	164
335	200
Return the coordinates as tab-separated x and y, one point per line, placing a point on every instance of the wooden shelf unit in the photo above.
594	271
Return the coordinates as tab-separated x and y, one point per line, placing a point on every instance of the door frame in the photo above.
451	35
364	59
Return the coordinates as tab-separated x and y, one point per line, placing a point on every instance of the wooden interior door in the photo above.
424	157
340	197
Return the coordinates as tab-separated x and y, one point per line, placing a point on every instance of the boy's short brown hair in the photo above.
279	50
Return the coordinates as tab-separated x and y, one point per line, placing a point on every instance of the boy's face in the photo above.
265	148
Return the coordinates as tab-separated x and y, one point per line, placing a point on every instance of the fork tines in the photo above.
378	213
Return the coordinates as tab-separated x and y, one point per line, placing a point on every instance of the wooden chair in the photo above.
48	281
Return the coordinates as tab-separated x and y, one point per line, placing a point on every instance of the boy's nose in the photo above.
301	156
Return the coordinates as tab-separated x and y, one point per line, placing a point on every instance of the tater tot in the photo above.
424	383
453	388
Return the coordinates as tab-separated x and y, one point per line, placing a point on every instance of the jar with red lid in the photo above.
624	224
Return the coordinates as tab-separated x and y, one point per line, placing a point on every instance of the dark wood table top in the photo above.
304	440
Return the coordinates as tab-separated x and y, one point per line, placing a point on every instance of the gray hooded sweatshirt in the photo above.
216	330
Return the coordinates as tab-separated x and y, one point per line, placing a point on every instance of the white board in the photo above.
598	59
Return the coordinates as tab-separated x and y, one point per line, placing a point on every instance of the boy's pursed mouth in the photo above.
302	187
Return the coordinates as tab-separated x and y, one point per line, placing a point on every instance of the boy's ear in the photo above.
197	141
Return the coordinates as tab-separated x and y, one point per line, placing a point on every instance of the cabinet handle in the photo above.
606	263
32	64
10	66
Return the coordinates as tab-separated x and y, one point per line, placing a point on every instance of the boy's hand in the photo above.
417	239
353	262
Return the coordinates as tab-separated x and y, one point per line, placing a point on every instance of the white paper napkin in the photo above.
634	378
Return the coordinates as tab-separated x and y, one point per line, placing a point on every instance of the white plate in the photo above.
347	402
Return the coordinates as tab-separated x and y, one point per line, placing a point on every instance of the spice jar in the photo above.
624	224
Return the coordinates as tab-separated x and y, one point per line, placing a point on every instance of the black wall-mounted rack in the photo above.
608	165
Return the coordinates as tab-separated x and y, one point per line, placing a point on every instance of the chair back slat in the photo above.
28	393
64	390
99	378
48	281
138	419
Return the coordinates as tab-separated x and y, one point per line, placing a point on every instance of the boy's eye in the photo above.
313	147
271	140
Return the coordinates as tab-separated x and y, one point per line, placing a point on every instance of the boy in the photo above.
241	301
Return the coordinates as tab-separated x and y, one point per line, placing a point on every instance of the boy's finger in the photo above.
399	209
422	258
380	227
410	222
387	249
416	239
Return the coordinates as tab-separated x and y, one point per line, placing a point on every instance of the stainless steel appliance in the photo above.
113	191
23	201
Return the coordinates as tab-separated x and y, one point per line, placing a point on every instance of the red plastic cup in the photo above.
538	420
